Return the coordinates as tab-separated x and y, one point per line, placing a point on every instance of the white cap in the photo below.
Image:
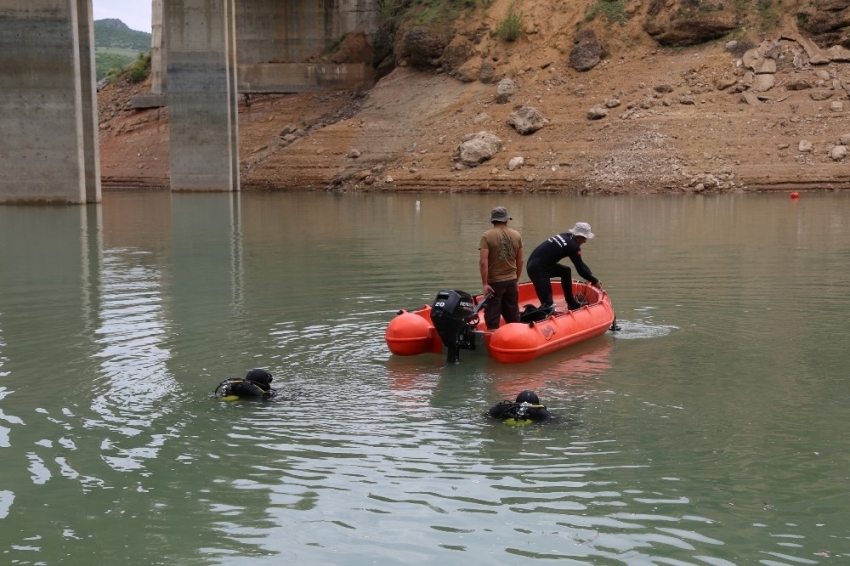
581	229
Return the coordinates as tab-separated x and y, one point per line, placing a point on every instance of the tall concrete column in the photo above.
88	80
202	99
158	63
48	107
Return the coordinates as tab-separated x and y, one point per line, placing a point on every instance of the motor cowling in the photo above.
453	313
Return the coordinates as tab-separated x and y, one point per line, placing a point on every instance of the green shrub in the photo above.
140	68
105	63
113	74
387	10
511	26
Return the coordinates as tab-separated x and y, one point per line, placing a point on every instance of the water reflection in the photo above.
133	378
413	379
572	370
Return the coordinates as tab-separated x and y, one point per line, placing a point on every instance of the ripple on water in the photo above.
385	478
640	329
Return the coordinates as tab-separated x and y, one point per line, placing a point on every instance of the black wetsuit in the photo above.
543	266
505	410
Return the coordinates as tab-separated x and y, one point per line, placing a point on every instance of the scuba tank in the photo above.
255	385
525	410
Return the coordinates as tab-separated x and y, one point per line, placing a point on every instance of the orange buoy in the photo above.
409	334
795	194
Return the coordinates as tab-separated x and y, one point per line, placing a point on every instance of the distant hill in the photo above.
116	45
115	33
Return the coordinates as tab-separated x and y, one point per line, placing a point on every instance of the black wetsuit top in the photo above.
555	249
512	410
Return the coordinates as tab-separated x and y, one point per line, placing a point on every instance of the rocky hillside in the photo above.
589	96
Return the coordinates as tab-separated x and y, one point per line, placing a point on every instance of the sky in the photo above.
135	13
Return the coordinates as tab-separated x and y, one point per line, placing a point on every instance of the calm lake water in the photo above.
712	429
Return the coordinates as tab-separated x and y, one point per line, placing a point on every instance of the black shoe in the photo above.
548	309
574	306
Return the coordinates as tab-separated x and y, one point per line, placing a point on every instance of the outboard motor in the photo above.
454	317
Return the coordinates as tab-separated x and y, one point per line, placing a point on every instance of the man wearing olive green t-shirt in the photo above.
500	263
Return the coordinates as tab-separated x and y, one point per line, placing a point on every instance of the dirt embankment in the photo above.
697	119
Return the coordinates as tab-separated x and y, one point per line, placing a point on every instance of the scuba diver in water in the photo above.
255	385
525	410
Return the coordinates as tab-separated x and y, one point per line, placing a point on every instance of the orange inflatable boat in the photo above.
455	322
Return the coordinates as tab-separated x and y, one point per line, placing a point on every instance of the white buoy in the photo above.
417	205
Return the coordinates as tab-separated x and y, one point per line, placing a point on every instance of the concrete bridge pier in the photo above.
49	149
202	99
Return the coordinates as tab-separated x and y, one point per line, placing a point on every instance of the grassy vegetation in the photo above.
135	72
426	11
768	15
511	26
107	60
435	11
614	12
386	10
629	42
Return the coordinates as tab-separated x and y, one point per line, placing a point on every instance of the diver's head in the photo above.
528	396
260	376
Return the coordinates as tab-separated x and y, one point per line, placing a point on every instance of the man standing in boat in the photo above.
500	264
543	265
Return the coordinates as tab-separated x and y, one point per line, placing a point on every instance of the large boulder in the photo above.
488	73
423	46
587	51
477	148
455	55
469	71
679	23
527	120
505	91
825	21
597	112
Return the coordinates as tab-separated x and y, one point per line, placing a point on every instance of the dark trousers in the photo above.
503	303
541	276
